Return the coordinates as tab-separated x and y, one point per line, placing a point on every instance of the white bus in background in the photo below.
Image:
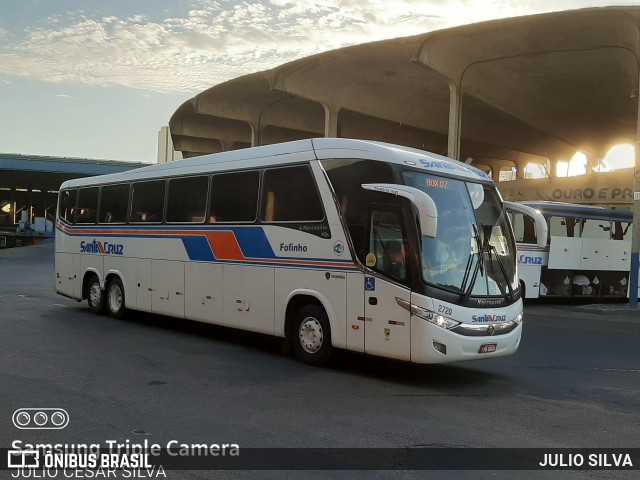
567	250
330	243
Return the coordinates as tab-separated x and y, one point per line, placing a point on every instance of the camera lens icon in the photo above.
22	419
58	419
40	418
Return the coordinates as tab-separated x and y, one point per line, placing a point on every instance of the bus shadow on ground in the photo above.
442	377
461	376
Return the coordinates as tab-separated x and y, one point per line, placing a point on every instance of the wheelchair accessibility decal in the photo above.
370	284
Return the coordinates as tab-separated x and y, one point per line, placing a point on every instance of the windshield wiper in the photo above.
485	246
492	248
467	271
478	267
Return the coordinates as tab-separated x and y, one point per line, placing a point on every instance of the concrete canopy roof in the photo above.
48	173
525	88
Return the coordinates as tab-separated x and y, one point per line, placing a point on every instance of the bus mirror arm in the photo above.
542	229
423	202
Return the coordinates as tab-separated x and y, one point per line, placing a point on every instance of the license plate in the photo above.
488	348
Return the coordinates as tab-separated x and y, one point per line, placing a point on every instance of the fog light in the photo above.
442	348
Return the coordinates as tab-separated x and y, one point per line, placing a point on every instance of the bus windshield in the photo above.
473	252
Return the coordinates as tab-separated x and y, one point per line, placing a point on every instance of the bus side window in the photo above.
187	200
234	197
114	201
387	242
524	228
147	201
268	209
87	205
346	177
290	195
592	228
564	227
572	223
529	234
67	206
621	230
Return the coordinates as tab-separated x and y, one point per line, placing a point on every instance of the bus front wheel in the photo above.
115	298
95	295
311	335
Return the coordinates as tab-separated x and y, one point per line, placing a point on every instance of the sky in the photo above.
97	79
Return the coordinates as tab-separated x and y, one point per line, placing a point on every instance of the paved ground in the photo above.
573	383
616	311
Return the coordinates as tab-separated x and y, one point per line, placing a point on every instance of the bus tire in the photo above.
115	298
95	295
311	335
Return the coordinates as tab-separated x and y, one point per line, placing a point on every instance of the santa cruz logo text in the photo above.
488	318
105	248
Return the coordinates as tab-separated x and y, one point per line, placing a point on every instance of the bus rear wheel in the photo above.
115	298
311	335
95	295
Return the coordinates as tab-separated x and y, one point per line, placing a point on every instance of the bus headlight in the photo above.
428	315
440	320
519	318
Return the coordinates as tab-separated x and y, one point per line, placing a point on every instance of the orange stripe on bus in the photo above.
224	246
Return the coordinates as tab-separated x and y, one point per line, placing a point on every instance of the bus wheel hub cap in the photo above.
310	335
94	294
115	299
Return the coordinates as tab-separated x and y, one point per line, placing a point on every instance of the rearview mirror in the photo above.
424	203
542	230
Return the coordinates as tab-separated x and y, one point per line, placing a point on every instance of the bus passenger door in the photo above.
387	324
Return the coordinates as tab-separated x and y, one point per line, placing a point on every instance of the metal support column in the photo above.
331	127
635	240
256	134
455	118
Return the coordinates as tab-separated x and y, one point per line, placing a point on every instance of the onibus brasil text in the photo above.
102	460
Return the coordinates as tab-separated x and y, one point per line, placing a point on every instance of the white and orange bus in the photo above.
330	243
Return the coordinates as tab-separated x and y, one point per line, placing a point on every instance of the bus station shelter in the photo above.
30	182
498	94
505	92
